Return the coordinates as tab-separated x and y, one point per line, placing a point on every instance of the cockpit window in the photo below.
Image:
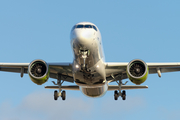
95	28
79	26
84	26
88	26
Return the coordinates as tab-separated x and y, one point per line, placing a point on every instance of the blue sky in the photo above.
130	29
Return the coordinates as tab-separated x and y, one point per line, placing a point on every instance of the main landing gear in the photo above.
59	94
56	95
117	94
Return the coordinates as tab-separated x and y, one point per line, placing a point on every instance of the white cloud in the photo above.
41	106
121	109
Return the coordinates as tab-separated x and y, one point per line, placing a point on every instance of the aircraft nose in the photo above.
84	36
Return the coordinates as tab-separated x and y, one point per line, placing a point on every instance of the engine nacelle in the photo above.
38	71
137	71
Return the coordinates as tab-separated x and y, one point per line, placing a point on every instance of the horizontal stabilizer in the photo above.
126	87
69	87
110	87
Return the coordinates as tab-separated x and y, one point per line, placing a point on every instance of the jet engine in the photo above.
38	71
137	71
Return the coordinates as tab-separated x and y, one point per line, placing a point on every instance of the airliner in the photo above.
89	71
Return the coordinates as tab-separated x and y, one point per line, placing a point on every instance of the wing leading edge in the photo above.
64	69
119	69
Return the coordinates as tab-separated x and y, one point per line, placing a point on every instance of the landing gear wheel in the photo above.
55	95
63	95
124	95
116	95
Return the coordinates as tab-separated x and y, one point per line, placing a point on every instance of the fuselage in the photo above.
88	63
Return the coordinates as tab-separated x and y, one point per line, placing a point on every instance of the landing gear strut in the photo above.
58	94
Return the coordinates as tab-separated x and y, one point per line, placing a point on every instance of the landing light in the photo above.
97	66
77	66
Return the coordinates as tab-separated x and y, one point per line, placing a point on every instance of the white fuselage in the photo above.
88	64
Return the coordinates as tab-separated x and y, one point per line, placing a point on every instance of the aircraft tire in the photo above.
55	95
123	95
63	95
115	95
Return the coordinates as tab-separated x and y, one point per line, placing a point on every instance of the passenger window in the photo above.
95	28
79	26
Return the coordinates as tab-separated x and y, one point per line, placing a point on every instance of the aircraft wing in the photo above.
65	69
163	67
114	70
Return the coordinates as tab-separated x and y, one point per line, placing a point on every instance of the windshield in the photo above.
79	26
84	26
87	26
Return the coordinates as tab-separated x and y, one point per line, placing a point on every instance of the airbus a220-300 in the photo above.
89	71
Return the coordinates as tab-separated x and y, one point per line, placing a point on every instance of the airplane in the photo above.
89	71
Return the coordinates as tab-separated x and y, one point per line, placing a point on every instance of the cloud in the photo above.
121	109
41	106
